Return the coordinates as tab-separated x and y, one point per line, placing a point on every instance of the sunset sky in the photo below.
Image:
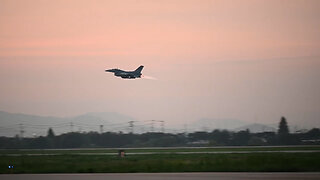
249	60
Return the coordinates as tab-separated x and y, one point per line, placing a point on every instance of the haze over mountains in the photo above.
12	124
33	125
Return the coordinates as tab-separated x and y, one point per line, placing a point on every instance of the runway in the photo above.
149	153
162	176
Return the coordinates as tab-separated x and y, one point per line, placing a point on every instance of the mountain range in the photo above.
207	124
12	124
27	125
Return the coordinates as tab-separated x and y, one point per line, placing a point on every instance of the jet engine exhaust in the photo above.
148	77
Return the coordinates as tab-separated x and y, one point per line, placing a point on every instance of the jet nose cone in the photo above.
108	70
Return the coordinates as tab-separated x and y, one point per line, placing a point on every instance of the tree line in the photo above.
117	140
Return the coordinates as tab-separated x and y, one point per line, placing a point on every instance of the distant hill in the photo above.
255	128
208	124
33	125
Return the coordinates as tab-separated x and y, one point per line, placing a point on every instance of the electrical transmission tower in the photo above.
162	126
131	126
101	129
152	125
21	130
185	128
71	126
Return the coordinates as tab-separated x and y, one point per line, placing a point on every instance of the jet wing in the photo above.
126	75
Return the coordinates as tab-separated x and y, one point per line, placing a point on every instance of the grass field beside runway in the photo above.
249	162
173	150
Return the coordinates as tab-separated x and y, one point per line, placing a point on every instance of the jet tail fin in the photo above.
139	69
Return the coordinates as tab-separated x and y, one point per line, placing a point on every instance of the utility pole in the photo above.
131	126
101	129
21	130
152	125
162	126
185	128
71	127
142	129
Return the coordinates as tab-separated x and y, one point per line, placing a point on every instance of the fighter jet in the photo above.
127	74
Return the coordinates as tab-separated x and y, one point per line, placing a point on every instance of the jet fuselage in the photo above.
127	74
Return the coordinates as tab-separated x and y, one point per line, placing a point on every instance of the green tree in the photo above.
50	133
50	138
283	132
283	127
241	138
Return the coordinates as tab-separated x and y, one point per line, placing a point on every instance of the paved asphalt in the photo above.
180	147
164	176
146	153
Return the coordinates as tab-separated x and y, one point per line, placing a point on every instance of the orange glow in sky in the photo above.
220	58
